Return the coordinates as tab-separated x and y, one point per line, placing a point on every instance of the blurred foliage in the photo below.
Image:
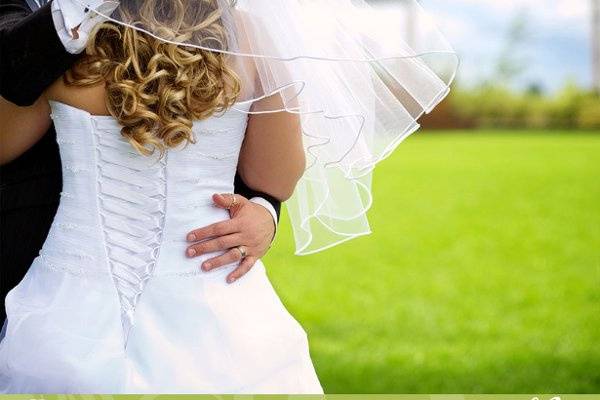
497	106
494	103
511	63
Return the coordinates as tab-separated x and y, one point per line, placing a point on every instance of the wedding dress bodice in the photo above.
127	211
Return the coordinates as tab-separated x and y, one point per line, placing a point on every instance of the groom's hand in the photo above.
251	230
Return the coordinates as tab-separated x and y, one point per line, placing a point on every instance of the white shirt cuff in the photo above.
270	209
70	14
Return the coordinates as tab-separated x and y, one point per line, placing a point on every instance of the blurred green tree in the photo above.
511	63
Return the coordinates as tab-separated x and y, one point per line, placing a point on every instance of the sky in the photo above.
557	47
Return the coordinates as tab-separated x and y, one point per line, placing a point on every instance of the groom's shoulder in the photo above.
22	5
13	9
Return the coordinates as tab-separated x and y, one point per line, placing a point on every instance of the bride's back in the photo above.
122	214
147	132
115	196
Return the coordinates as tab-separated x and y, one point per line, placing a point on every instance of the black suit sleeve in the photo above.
31	53
244	190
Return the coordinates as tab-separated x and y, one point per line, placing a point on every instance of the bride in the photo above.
112	304
171	98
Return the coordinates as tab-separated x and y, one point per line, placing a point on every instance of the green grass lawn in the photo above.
482	275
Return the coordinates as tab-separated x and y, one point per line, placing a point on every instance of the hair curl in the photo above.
156	89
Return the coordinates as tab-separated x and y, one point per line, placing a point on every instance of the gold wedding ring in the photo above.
242	251
234	202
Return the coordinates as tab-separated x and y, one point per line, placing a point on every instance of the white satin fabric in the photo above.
113	305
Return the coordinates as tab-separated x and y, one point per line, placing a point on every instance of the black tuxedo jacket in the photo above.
31	58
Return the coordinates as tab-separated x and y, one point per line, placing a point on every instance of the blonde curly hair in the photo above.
156	89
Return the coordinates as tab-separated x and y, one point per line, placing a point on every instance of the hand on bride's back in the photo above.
251	227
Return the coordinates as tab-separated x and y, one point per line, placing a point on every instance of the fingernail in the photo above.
191	237
206	266
230	279
191	252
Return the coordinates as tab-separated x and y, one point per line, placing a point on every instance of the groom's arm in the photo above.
32	55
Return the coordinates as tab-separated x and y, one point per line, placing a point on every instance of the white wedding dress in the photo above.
113	305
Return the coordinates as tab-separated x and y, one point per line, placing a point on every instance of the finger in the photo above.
231	256
245	266
209	246
217	229
225	200
222	200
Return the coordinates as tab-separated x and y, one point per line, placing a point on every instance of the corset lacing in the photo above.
132	203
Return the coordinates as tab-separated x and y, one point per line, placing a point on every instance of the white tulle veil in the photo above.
359	75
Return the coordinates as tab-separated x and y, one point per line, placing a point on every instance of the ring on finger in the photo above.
233	202
242	251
